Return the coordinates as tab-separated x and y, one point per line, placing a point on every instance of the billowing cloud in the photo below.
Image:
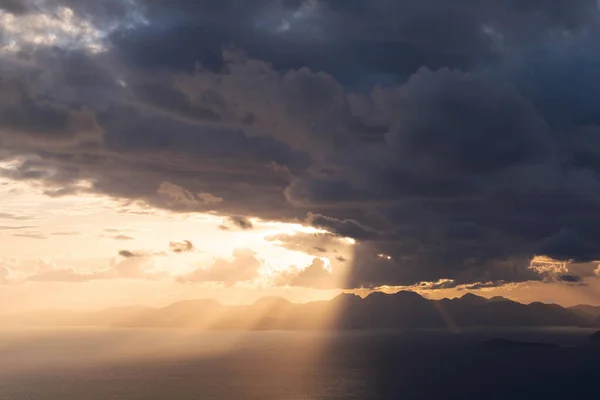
243	267
186	198
315	276
177	193
459	144
133	268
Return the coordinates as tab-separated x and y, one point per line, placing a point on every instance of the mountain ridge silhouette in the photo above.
378	310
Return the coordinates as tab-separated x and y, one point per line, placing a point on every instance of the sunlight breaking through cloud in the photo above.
547	266
60	27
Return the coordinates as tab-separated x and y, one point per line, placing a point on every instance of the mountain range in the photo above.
378	310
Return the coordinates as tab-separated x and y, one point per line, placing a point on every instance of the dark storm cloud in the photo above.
452	140
349	228
567	244
372	40
570	278
23	113
13	6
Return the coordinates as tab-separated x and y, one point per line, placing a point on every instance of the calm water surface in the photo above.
131	364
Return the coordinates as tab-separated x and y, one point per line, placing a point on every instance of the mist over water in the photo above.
178	364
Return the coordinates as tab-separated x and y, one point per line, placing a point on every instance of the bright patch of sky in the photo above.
59	27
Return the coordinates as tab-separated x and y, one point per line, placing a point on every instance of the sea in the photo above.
136	364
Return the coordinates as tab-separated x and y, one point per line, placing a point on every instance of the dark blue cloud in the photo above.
458	138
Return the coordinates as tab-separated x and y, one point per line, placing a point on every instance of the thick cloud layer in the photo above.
457	139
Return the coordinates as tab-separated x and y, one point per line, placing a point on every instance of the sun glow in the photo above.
52	236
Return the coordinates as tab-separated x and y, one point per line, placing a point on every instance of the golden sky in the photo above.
63	252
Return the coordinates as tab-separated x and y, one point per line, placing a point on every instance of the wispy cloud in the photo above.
32	235
17	227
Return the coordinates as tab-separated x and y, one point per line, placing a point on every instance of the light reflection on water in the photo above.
170	364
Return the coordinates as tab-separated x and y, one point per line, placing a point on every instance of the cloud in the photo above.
138	268
568	244
123	237
443	139
441	284
32	235
4	275
176	247
243	267
134	268
66	233
13	6
348	227
67	275
127	253
182	247
313	276
133	254
66	24
569	278
209	198
17	227
15	217
177	193
481	285
315	244
24	117
238	221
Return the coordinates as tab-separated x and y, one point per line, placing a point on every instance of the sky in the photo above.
154	151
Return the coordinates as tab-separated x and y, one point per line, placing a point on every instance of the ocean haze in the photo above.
132	364
378	310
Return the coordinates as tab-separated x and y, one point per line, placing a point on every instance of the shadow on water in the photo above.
272	365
